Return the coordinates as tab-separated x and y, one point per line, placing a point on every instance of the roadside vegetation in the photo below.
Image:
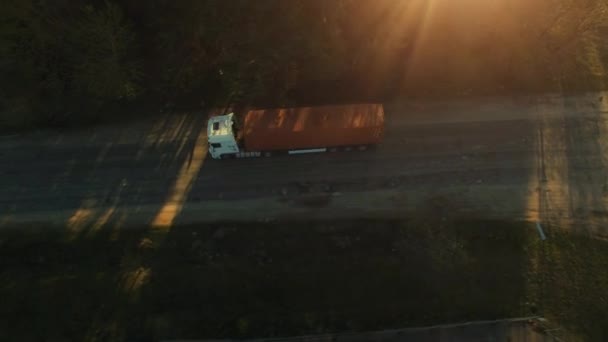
285	278
65	62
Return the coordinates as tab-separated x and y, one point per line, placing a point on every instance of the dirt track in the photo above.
536	158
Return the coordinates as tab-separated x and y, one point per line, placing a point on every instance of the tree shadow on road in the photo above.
115	174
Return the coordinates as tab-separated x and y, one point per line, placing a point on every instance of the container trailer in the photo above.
265	132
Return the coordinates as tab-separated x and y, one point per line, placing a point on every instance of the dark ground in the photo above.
282	279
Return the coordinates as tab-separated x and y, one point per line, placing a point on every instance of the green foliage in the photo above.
103	41
61	57
246	49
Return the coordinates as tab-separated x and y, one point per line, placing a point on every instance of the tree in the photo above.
61	59
102	41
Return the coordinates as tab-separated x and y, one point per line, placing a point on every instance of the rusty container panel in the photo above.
313	127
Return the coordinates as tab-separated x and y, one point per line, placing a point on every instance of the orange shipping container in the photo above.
313	127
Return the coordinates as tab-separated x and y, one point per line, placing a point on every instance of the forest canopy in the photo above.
63	60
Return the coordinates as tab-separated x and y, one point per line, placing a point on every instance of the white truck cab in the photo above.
221	136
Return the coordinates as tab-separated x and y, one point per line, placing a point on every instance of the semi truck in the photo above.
266	132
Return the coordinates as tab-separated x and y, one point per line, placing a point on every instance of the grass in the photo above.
572	283
245	280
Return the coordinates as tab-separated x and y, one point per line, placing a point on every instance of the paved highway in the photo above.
540	158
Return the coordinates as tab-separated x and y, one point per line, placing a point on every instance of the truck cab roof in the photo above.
220	125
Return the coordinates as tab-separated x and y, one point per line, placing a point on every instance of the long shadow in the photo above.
292	278
114	176
103	176
252	280
244	280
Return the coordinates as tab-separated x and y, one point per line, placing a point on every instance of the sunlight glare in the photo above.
186	176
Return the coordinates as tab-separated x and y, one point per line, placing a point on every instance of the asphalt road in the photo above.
539	158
